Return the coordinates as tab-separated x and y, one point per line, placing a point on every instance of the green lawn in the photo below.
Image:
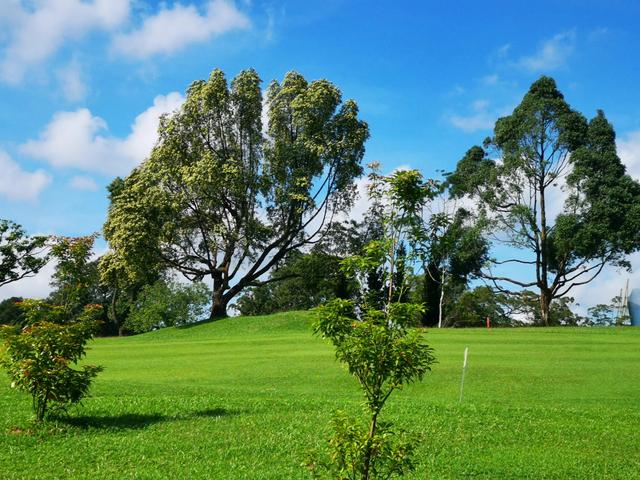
247	398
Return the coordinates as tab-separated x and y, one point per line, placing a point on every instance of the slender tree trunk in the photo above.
545	306
545	293
442	280
114	313
366	471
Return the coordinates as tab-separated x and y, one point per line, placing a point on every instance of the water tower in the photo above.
634	307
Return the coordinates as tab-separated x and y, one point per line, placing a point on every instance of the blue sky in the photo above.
82	82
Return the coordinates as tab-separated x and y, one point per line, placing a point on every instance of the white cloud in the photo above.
479	119
552	54
173	28
629	151
607	285
74	139
37	33
17	184
81	182
70	79
30	287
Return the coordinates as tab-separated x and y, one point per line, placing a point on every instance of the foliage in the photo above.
613	313
527	303
39	357
473	307
393	451
455	250
545	146
75	276
166	304
10	311
303	281
119	291
218	198
20	255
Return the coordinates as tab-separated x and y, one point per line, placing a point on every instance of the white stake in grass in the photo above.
464	369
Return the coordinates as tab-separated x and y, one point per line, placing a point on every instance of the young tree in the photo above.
219	198
383	353
379	347
20	255
39	357
542	151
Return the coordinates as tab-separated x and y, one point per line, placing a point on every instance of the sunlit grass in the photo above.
247	398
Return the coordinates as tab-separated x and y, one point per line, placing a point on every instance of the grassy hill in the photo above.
247	398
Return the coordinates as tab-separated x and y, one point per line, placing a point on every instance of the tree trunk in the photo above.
114	313
366	471
218	306
545	306
442	280
219	300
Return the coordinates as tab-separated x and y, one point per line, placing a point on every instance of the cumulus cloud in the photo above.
78	140
19	185
175	27
38	30
553	54
629	151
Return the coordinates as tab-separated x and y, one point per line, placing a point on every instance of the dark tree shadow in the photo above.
186	326
133	421
214	413
127	421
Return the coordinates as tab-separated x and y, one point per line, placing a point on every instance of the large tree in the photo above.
221	197
21	256
542	153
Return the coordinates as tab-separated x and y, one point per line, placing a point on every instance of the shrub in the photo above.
40	356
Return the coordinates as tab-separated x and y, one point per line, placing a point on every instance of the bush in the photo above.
39	357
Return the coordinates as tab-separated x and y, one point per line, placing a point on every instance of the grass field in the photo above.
247	398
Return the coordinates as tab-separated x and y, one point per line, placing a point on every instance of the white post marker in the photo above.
464	369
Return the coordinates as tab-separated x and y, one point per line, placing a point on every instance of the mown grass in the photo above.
247	398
